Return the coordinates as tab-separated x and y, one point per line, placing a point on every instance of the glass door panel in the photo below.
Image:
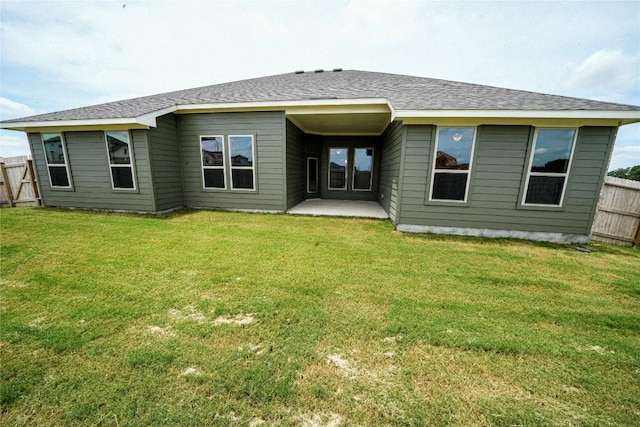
338	168
362	169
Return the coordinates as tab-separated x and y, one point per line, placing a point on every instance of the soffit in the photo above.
342	124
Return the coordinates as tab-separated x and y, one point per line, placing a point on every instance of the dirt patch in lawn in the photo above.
321	420
342	364
238	319
191	371
160	332
188	313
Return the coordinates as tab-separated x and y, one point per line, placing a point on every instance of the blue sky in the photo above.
61	54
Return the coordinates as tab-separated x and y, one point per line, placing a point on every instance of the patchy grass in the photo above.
212	318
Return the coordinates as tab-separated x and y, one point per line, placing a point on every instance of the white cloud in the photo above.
10	109
607	74
379	22
626	152
80	53
625	156
266	28
109	51
104	51
13	144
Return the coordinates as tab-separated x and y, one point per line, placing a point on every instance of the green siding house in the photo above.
438	156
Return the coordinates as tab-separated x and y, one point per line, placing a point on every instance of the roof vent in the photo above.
319	71
337	70
299	71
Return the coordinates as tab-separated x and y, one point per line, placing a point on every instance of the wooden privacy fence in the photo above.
617	219
18	184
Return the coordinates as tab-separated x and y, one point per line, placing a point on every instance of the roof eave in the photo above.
143	122
341	106
576	117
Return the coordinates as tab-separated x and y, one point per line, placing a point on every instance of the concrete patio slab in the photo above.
349	208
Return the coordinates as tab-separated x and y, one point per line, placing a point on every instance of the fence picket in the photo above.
617	218
18	185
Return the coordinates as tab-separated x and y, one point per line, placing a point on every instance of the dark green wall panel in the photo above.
390	165
90	174
165	166
269	131
495	189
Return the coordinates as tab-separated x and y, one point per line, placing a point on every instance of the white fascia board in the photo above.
144	121
310	105
618	117
89	124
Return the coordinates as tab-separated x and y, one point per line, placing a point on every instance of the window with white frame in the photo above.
213	173
549	167
452	158
241	149
120	160
55	152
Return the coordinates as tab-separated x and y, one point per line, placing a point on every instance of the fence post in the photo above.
34	183
7	184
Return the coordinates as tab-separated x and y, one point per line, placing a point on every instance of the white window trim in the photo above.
223	167
551	174
253	163
66	160
353	170
309	159
130	165
468	171
346	170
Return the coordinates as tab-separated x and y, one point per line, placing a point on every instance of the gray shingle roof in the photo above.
403	92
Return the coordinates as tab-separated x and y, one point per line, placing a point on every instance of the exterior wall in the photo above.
591	161
90	174
296	165
496	186
268	129
391	156
165	164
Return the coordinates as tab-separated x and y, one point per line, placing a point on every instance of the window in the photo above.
312	175
56	154
549	166
120	163
213	173
241	156
453	156
362	169
338	169
216	165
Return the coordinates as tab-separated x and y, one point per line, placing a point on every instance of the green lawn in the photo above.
214	318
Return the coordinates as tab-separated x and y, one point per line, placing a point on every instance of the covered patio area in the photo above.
330	207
